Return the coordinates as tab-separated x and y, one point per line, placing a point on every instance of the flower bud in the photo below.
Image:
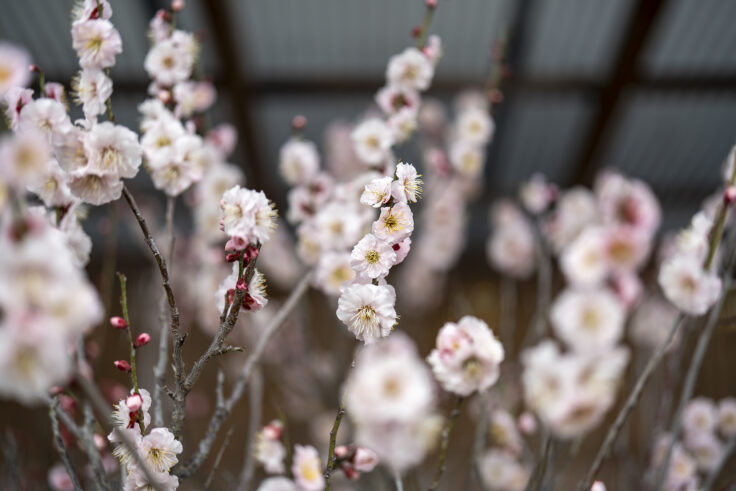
431	4
34	68
729	196
298	122
342	451
350	471
164	96
232	257
134	402
365	460
241	285
273	430
100	441
250	253
177	5
527	423
122	365
142	340
118	322
598	486
416	31
236	244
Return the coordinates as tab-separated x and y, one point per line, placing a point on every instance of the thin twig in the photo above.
331	459
255	398
691	377
159	371
60	448
93	453
424	28
479	442
725	455
103	408
124	306
10	452
544	284
221	413
218	457
454	414
629	405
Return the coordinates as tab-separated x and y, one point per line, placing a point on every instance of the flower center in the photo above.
391	223
372	257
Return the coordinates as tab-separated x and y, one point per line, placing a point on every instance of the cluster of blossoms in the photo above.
65	163
701	449
686	274
467	358
390	400
269	451
47	306
176	155
249	220
501	465
367	303
602	239
454	156
157	447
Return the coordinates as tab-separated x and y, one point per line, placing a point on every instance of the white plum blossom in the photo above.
727	417
377	192
92	89
389	398
501	471
372	257
467	159
368	311
700	416
96	42
268	448
628	201
47	116
298	161
193	97
14	100
576	209
278	484
474	126
688	285
467	356
537	194
113	150
392	99
307	468
512	247
706	449
332	270
247	214
171	60
410	70
372	140
23	157
408	185
159	449
95	189
395	223
588	320
583	261
14	62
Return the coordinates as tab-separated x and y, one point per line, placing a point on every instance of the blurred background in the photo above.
647	87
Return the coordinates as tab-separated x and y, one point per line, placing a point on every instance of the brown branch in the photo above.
217	347
223	410
454	414
255	398
60	448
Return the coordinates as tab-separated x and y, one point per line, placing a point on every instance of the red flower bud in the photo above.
118	322
232	257
142	340
416	31
250	253
122	365
241	285
431	4
729	196
134	402
298	122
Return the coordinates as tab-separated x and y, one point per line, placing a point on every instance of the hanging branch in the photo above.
255	400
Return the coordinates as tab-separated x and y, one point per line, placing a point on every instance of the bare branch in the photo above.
221	412
254	423
225	443
59	444
159	371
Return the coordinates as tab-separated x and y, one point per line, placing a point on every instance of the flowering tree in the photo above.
550	384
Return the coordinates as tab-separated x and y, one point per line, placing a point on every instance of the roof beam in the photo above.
643	16
238	85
